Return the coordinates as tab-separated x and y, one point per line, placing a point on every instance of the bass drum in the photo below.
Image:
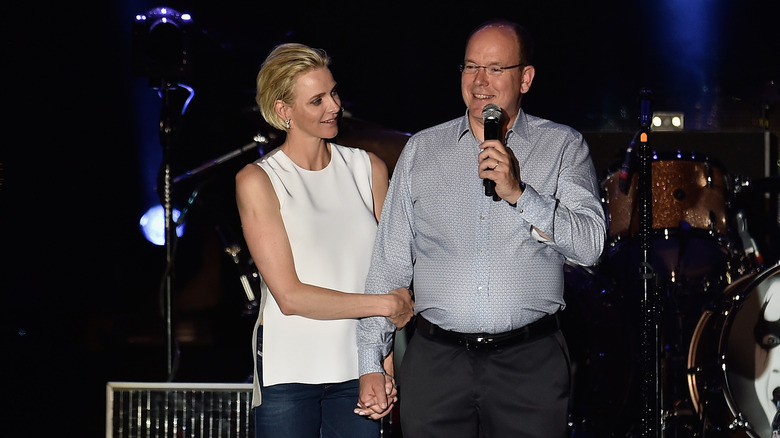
603	348
734	367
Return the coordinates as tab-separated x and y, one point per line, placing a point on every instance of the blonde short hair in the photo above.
277	76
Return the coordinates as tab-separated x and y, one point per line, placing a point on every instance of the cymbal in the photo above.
386	143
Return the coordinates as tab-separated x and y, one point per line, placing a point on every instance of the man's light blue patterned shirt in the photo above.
474	264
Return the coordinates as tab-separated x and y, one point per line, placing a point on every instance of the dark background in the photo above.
82	290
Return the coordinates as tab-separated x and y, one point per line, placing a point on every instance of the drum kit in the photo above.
718	316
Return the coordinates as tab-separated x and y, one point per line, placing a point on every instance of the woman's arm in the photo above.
270	249
380	182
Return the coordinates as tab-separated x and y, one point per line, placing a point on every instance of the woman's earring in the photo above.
287	123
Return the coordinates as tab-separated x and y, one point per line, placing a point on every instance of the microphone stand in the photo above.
650	335
167	137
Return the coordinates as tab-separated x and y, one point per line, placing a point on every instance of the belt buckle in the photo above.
477	343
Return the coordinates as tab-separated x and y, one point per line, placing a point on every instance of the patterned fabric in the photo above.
476	265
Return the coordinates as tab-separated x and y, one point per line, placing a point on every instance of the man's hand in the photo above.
498	163
378	395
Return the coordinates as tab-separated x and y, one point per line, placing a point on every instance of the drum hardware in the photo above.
625	168
249	276
748	243
744	184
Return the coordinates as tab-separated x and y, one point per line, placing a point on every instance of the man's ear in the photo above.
527	78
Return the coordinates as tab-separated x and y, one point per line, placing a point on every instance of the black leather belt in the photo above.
486	341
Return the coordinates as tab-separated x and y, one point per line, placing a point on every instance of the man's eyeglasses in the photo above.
491	70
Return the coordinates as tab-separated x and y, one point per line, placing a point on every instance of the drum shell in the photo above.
685	191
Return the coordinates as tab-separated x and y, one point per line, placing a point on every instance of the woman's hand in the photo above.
403	307
369	404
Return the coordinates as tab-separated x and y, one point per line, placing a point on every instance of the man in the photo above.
487	358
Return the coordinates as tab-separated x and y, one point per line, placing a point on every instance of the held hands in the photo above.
498	163
378	395
403	307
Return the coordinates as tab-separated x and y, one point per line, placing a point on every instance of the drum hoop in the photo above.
695	339
668	233
678	155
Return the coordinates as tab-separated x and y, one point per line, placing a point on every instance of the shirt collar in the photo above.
464	127
520	126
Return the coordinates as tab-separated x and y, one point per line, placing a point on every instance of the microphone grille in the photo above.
491	111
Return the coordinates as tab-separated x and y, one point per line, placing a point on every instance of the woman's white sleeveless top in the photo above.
329	218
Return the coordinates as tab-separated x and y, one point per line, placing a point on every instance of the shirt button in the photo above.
482	218
479	288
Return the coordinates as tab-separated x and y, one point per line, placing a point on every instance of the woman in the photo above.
309	211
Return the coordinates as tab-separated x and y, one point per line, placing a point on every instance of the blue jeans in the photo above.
299	410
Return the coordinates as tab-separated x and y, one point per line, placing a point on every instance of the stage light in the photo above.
668	121
162	44
153	224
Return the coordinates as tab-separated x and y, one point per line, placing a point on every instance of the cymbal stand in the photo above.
650	334
768	155
234	246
